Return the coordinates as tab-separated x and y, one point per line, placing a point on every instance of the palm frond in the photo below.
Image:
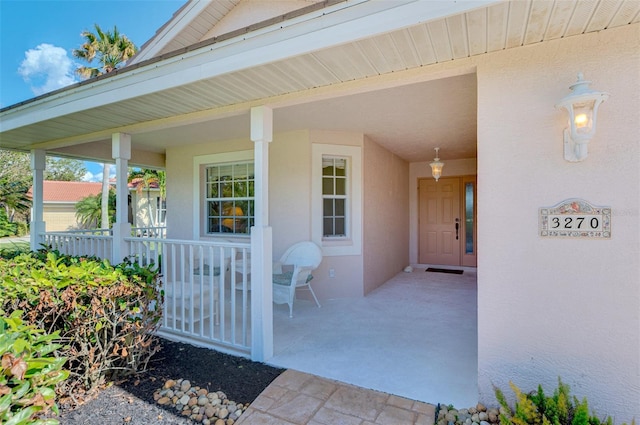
110	48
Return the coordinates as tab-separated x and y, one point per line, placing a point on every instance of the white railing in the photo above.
91	243
93	232
206	290
149	232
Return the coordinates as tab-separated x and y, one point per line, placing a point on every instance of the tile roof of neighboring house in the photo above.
135	182
57	191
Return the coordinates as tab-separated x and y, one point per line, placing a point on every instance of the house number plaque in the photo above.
575	218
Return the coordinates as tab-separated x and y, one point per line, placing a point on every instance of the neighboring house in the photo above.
318	120
59	202
148	209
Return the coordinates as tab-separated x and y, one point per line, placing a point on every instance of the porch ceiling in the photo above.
410	120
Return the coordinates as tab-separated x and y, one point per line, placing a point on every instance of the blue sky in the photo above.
37	37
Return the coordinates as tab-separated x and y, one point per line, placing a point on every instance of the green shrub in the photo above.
12	250
536	408
28	375
11	228
105	315
22	229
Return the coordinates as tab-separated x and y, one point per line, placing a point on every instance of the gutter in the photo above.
310	29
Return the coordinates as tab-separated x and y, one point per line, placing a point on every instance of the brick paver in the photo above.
302	399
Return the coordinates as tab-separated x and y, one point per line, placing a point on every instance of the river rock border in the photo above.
198	404
476	415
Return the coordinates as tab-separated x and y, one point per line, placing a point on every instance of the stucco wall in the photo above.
180	200
59	216
142	205
386	215
559	307
289	200
347	279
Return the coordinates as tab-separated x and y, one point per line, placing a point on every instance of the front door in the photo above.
440	225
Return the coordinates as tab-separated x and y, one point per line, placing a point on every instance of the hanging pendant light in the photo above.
436	166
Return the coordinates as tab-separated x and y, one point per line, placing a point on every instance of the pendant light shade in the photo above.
436	166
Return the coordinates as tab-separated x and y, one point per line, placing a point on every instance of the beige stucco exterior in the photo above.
60	216
547	308
385	218
558	307
144	208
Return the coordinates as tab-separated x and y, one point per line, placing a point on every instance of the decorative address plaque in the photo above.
575	218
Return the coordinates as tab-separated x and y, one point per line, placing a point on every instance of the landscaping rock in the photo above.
199	404
476	415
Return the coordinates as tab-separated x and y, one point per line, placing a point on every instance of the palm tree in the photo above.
14	199
146	179
89	210
106	170
112	50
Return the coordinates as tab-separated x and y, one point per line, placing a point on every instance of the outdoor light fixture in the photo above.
436	166
582	105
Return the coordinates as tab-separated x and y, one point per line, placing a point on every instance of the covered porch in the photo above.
383	84
415	337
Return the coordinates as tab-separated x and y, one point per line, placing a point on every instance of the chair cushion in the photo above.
285	278
216	270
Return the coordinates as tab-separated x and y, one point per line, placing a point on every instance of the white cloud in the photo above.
90	177
47	68
97	177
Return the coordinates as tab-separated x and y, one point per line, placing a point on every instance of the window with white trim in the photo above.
229	197
334	197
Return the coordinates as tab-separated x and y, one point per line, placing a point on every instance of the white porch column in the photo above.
38	226
121	152
261	239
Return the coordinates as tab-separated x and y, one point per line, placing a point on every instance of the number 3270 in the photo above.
574	223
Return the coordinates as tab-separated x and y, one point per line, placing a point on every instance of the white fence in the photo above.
96	243
205	284
149	232
206	290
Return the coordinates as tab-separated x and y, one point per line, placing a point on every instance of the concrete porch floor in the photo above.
414	337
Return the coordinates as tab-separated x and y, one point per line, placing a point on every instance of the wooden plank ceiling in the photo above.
504	25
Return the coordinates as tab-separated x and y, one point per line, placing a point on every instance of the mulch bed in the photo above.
131	401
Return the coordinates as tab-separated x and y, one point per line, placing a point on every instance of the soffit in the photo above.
200	25
504	25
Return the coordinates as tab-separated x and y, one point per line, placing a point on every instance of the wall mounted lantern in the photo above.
436	166
582	105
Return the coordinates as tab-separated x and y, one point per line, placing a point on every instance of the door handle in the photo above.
457	227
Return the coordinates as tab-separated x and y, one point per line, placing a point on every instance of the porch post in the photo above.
37	226
121	152
261	239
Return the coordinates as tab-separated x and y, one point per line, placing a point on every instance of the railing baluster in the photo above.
191	291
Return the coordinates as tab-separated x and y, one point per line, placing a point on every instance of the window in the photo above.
229	197
161	211
334	196
469	205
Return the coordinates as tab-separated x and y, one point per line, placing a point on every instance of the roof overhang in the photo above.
339	24
349	47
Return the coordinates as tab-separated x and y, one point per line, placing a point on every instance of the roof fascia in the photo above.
181	20
342	23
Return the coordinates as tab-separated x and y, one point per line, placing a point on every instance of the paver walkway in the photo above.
302	399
